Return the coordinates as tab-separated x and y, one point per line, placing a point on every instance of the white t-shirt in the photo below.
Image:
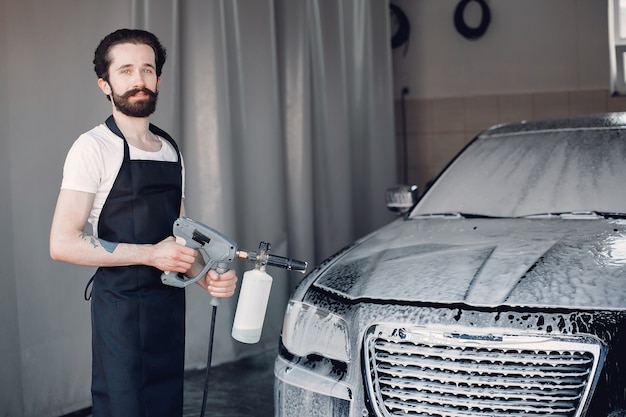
94	160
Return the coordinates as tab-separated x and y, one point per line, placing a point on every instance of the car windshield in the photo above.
525	174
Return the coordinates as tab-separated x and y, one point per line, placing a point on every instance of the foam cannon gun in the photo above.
217	252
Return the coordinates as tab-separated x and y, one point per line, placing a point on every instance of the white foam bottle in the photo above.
251	306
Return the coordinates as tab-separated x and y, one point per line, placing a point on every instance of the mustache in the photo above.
134	91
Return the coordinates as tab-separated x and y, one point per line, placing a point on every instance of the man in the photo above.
126	178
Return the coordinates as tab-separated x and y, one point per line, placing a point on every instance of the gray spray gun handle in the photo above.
217	251
220	269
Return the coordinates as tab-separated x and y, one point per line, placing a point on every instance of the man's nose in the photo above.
138	79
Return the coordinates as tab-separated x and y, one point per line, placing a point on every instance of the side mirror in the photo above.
401	198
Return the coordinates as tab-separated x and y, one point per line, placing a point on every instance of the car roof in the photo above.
590	121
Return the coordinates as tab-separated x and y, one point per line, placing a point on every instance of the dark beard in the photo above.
140	108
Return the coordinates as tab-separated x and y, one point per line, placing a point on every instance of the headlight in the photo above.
310	330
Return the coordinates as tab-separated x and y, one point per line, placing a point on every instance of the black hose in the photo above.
208	362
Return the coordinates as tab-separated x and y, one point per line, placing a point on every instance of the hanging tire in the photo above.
463	28
401	35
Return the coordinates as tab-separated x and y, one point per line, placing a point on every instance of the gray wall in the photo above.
530	46
10	377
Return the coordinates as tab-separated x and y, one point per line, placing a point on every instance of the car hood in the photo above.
486	262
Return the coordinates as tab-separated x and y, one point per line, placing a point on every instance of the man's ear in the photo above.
104	86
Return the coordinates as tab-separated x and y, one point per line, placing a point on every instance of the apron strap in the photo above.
88	288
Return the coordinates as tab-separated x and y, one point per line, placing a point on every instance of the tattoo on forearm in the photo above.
95	242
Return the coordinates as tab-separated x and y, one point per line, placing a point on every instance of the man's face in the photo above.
133	83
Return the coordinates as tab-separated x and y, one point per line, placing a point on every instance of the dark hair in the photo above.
101	60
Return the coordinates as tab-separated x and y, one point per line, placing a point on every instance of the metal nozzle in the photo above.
286	263
263	258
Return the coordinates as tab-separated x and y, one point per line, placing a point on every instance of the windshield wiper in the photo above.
567	215
574	215
611	214
453	214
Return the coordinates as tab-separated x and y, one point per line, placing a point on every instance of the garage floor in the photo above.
238	389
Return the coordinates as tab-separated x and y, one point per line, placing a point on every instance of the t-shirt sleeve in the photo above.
83	166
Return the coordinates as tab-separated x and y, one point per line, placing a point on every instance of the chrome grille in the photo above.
446	372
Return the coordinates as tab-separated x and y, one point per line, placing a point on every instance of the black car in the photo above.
502	292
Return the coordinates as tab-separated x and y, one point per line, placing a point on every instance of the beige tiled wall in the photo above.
437	129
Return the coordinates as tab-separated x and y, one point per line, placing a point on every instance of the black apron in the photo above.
138	339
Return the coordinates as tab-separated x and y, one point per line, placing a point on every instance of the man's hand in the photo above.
167	255
219	286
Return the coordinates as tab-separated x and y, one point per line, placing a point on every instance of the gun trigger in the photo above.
181	240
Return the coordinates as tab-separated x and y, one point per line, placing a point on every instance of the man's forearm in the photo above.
96	242
83	249
88	250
